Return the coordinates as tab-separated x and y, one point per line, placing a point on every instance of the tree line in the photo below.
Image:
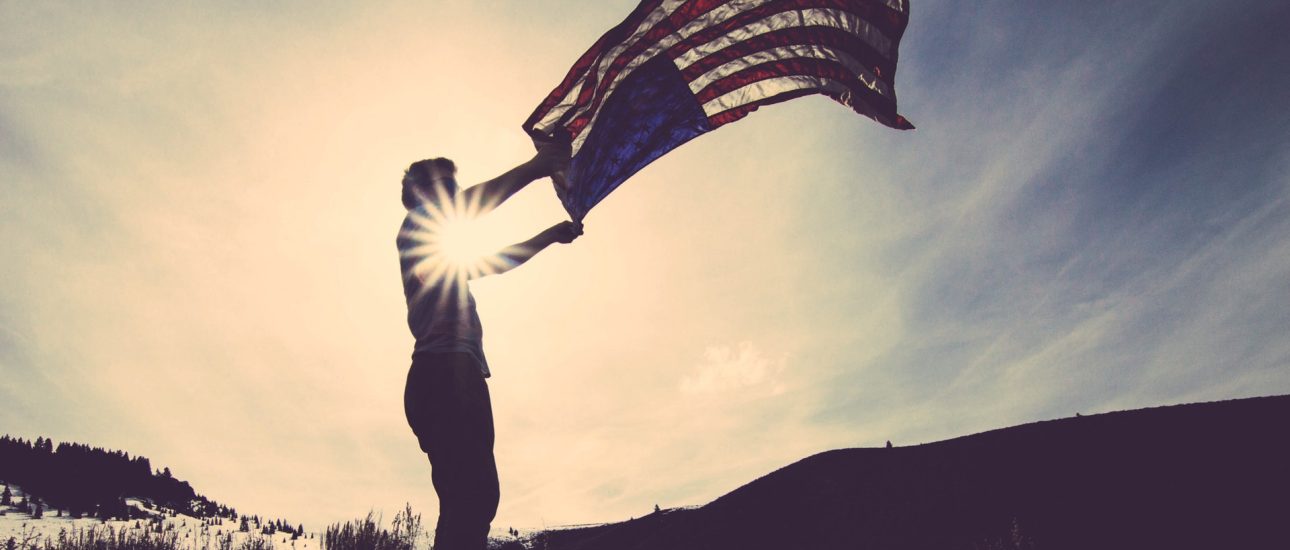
93	481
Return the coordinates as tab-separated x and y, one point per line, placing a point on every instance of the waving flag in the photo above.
675	69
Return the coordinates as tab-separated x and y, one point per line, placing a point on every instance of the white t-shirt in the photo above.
441	310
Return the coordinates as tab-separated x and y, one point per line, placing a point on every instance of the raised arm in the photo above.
551	158
515	255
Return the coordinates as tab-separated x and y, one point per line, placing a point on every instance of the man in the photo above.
446	398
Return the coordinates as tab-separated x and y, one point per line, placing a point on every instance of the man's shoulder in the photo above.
418	211
412	220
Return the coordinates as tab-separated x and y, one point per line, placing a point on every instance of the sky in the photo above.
199	201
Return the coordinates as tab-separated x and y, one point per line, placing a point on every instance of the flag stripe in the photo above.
823	68
668	31
626	55
887	23
829	28
798	51
564	97
736	105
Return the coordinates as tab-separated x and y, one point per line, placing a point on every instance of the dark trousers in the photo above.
447	404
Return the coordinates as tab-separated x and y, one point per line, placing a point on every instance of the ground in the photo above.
193	532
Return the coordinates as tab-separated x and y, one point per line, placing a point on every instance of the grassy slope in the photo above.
1209	475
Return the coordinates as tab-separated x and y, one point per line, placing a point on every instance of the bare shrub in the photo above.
368	534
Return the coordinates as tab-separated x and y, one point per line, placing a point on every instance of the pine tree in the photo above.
6	498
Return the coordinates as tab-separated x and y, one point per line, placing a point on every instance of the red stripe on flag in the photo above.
726	117
677	19
859	105
889	22
577	125
863	100
609	39
813	36
822	68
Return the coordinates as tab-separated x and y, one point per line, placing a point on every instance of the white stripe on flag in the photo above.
789	52
771	87
607	57
547	124
815	17
717	15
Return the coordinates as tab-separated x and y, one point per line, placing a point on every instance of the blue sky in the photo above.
199	203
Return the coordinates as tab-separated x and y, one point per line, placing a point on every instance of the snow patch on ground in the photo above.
193	533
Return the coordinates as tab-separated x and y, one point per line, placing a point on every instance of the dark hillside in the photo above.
1210	475
95	481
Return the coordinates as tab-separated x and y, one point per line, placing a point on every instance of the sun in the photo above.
452	241
463	241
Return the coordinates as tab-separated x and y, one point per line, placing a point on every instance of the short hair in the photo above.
418	178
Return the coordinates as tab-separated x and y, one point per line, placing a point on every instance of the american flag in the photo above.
675	69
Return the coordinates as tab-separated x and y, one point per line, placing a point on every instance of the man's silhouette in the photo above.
446	398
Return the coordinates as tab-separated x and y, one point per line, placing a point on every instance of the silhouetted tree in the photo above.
6	498
81	479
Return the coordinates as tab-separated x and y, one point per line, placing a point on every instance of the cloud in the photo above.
737	368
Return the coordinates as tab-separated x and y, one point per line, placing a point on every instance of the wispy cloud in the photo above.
739	368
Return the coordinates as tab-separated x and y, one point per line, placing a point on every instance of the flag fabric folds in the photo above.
675	69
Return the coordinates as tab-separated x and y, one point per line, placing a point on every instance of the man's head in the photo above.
428	179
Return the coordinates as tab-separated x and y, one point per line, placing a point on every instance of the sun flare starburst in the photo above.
451	242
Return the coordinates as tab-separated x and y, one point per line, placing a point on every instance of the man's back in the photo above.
441	310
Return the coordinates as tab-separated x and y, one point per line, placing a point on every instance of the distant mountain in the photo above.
1209	475
92	481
